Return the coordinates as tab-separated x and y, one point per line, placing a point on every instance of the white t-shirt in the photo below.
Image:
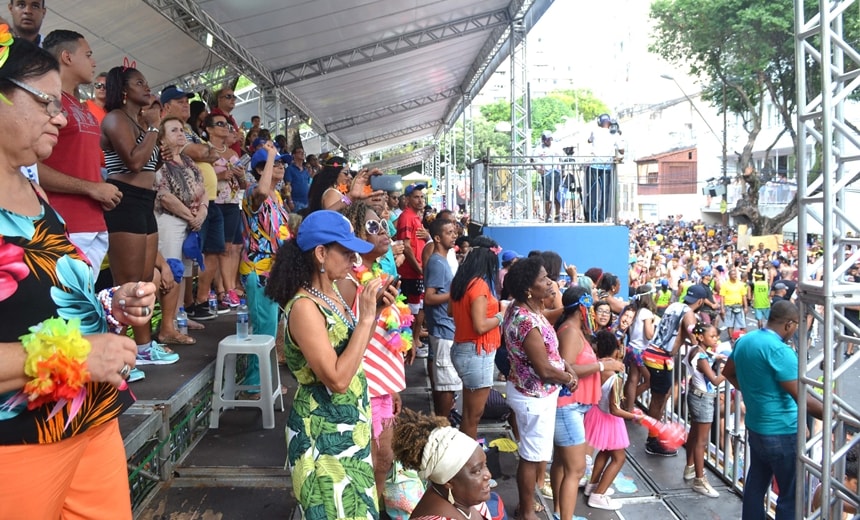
637	330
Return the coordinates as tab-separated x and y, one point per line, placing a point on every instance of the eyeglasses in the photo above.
99	85
53	106
228	96
376	227
220	124
603	313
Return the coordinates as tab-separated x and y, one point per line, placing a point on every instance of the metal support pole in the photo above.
724	205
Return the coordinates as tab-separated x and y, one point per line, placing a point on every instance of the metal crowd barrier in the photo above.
563	188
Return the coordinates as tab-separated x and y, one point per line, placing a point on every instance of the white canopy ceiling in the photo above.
369	73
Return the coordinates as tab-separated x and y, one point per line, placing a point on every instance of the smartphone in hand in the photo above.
386	182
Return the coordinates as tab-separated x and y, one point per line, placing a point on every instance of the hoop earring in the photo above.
358	261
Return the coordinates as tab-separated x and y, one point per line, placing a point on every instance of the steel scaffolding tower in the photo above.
521	199
820	46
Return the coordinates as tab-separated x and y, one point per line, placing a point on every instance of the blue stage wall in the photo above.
583	245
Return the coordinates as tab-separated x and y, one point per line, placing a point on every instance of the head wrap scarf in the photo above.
446	452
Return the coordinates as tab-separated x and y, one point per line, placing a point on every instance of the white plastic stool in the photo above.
225	390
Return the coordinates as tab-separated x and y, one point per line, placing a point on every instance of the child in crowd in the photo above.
701	396
605	429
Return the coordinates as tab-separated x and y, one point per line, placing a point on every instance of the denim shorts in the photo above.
476	370
570	425
762	314
735	320
701	406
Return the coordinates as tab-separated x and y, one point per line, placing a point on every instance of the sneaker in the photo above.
136	374
232	299
155	354
703	487
589	490
653	447
598	501
689	472
200	312
223	306
422	352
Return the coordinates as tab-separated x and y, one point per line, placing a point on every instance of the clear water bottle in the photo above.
182	321
213	303
242	320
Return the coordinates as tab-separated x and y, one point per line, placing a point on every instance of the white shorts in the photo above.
445	377
171	233
535	421
94	244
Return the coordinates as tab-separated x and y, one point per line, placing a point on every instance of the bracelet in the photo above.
570	380
499	317
153	129
56	362
600	366
106	299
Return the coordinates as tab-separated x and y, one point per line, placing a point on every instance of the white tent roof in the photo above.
370	73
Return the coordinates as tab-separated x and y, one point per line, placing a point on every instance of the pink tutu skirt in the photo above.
605	431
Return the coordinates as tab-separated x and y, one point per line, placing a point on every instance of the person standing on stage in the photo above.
545	156
600	178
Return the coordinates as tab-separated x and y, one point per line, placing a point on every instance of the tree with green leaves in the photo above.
550	110
742	51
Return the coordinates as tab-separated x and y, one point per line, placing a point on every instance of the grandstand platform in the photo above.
180	469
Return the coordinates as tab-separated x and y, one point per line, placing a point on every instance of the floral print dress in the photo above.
328	436
43	275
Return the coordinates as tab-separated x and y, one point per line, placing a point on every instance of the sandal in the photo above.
179	339
538	508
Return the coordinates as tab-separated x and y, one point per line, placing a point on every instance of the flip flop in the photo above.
179	339
195	325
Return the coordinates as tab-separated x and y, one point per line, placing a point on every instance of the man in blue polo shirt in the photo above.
299	177
764	368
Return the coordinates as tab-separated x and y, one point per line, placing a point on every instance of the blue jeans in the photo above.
770	455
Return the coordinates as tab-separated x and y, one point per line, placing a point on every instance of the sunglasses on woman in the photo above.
99	85
376	227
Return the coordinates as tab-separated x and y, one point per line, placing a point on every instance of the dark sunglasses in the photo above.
99	85
376	227
220	124
229	96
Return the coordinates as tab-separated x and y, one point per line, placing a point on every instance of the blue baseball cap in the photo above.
324	227
261	155
191	248
412	187
172	92
510	255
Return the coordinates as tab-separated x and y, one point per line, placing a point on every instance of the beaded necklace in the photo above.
328	301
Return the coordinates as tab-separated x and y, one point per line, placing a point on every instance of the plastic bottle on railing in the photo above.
213	302
242	320
182	321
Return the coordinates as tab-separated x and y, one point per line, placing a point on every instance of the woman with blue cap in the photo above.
329	427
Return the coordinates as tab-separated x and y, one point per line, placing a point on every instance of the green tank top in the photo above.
664	298
761	294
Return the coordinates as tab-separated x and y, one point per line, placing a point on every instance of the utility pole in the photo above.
724	205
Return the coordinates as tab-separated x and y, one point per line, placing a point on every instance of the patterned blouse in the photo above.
265	231
519	321
43	275
181	180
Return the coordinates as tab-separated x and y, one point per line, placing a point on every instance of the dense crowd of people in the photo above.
149	193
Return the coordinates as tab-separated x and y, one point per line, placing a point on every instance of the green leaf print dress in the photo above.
328	436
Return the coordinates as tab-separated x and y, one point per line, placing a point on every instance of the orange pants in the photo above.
84	477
